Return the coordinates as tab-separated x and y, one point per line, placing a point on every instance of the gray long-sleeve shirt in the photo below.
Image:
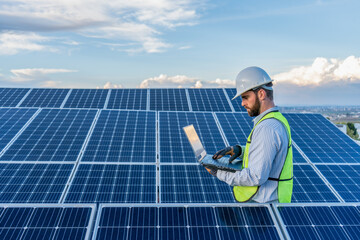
267	155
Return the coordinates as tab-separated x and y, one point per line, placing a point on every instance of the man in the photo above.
267	170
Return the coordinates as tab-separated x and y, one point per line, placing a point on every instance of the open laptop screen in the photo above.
195	142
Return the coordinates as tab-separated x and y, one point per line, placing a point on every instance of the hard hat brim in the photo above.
239	94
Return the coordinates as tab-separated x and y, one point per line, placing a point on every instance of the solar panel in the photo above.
11	121
192	184
87	98
345	179
135	99
40	97
320	222
231	92
321	141
123	136
309	187
168	100
45	222
213	100
10	97
101	183
33	183
54	135
179	222
175	147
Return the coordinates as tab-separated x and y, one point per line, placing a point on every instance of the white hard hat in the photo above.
250	78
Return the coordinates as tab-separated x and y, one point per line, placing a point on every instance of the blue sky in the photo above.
310	48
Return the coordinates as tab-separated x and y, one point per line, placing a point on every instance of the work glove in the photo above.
212	171
233	151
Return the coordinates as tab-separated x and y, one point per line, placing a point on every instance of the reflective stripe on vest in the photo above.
285	180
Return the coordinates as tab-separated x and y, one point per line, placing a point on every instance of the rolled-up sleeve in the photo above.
263	149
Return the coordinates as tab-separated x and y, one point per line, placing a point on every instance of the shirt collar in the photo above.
258	118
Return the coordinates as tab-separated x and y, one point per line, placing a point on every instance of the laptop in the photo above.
206	159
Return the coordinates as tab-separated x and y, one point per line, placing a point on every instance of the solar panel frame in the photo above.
329	146
217	228
70	127
35	207
344	178
131	102
12	121
82	186
87	98
11	97
168	99
42	97
313	225
33	182
210	99
122	134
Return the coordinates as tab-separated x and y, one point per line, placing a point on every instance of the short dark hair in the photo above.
269	93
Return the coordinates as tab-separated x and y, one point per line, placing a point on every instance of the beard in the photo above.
255	110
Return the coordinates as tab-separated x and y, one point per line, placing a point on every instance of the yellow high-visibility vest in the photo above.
285	180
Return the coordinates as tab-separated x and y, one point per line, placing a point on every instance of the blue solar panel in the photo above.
113	184
123	136
213	100
175	147
345	179
33	183
186	223
135	99
87	98
321	222
11	121
45	98
10	97
192	184
309	187
54	135
321	141
231	92
45	222
168	100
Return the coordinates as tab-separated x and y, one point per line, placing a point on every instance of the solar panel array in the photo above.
116	164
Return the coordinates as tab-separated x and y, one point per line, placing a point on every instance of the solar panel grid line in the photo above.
229	101
196	222
66	98
220	130
158	182
45	98
339	220
300	151
19	133
107	99
148	100
188	99
43	217
71	178
10	97
326	181
23	99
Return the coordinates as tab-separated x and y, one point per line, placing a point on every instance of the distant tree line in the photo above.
351	131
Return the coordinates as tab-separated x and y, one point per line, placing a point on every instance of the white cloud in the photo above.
111	85
13	42
182	81
35	74
122	20
322	71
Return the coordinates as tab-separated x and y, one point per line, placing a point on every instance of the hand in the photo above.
234	152
212	171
